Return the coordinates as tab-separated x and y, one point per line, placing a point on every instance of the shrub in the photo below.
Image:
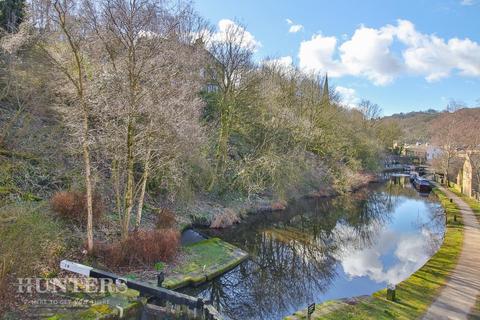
142	247
225	219
279	205
166	219
72	205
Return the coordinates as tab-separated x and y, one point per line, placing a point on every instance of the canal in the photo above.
322	249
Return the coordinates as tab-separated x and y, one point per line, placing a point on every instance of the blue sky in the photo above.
403	55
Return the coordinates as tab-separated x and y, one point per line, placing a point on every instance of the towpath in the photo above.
462	288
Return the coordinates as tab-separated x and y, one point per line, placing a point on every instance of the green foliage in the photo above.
282	134
11	14
159	266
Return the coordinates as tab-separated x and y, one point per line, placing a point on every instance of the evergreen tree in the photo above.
11	14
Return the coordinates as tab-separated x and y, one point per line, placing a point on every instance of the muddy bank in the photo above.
215	215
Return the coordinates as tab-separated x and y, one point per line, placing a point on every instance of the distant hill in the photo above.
415	125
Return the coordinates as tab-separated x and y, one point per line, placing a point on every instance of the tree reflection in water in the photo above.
296	255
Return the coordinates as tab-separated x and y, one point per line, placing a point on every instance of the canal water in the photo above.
322	249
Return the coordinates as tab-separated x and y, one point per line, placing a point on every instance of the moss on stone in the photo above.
204	261
129	301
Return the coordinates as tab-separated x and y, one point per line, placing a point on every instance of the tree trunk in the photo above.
144	187
79	85
88	182
116	186
224	135
130	182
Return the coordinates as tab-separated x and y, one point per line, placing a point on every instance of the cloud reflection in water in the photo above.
391	258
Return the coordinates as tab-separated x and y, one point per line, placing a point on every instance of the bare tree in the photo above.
371	111
447	135
148	96
455	105
66	48
230	70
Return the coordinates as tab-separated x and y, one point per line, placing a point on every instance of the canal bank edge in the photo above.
413	295
207	259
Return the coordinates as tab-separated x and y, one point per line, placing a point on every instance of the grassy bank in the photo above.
474	204
414	295
475	313
32	242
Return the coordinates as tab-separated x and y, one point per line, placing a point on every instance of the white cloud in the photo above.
411	251
294	28
284	62
467	2
368	53
348	96
224	26
316	55
436	58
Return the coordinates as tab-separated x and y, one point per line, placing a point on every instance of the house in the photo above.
469	174
418	151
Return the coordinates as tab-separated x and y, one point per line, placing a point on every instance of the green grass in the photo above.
32	241
475	313
414	295
474	204
204	261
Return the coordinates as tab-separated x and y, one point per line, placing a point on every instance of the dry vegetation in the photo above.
141	248
71	205
225	219
140	105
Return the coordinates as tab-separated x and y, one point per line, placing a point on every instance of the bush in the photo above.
142	247
279	205
225	219
166	219
72	205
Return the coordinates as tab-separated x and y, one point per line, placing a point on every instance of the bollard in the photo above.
160	278
391	292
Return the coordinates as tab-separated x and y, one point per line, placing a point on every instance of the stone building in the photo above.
468	175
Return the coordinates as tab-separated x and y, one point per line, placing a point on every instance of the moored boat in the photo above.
422	185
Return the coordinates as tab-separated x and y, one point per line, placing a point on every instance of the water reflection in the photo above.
326	249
